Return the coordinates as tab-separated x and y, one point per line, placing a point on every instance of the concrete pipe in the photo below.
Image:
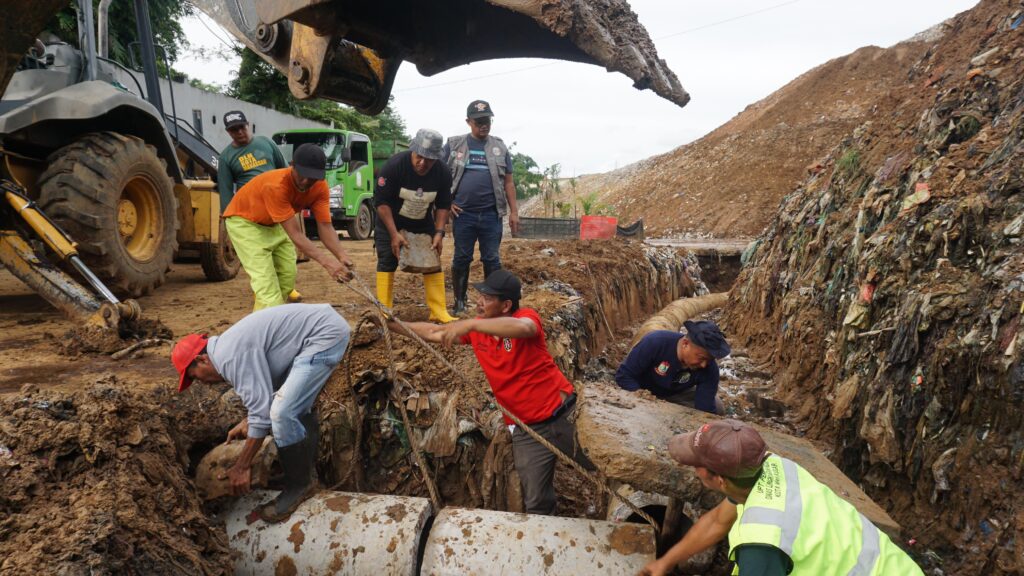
464	542
671	317
331	533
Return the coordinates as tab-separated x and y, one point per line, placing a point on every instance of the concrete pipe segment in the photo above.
671	317
464	541
331	533
379	535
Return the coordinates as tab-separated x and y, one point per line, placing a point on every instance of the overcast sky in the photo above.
727	54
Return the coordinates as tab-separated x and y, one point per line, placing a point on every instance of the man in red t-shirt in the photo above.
509	344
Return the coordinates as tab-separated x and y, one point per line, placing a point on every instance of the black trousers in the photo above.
536	464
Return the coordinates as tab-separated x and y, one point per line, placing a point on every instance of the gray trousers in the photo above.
536	464
689	396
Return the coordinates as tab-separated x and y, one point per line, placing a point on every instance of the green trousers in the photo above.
268	256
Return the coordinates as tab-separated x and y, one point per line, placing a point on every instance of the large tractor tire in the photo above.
361	227
112	194
219	260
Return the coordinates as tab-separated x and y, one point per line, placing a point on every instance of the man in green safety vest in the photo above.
779	519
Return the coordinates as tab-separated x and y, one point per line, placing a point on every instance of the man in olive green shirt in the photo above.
245	158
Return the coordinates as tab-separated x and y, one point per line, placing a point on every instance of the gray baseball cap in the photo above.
427	143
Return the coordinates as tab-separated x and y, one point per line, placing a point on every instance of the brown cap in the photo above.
726	447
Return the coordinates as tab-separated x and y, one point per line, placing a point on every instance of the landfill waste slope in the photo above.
888	294
95	482
728	183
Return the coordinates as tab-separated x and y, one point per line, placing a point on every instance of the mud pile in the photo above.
583	291
95	482
888	293
728	183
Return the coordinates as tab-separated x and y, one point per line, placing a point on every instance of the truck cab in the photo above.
349	176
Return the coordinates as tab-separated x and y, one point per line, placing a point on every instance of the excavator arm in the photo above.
350	50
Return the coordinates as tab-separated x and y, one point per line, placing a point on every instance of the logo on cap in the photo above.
480	106
233	117
381	181
700	434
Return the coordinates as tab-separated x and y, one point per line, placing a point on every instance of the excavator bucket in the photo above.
350	50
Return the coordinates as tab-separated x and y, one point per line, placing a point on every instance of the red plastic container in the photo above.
597	227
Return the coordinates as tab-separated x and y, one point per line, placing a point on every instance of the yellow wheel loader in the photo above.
101	184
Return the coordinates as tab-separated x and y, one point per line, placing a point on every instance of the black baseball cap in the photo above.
708	336
309	161
234	118
503	284
478	109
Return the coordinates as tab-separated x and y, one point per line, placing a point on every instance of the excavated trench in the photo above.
591	298
588	301
103	480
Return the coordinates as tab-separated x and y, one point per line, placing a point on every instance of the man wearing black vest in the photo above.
484	193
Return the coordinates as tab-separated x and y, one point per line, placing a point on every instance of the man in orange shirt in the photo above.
260	221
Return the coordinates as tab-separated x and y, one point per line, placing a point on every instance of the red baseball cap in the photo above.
184	353
728	448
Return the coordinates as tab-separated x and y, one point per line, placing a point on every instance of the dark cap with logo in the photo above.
478	109
706	334
728	448
309	161
234	118
503	284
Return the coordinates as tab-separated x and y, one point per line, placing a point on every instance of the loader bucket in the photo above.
350	50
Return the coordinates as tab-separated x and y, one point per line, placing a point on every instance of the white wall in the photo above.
212	108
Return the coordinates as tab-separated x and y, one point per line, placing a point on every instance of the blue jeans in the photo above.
470	227
295	397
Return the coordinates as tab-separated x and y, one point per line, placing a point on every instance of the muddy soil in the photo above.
94	481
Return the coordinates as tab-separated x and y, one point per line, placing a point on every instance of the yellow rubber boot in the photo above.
433	284
385	288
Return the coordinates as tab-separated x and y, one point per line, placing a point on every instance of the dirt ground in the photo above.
31	330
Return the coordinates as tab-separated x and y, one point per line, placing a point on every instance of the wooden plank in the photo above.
627	436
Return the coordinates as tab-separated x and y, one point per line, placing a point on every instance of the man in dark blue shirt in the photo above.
679	368
483	194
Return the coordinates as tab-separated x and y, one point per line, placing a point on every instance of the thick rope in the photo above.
393	377
386	314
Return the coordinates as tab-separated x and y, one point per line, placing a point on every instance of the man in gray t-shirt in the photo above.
277	360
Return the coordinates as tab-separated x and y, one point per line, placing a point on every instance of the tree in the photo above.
551	187
206	86
260	83
526	174
165	16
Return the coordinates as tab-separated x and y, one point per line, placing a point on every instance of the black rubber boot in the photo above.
489	269
460	285
298	462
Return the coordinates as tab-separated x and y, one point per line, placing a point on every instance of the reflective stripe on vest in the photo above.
788	519
868	549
